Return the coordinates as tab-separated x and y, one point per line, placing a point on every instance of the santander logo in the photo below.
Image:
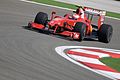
88	57
95	11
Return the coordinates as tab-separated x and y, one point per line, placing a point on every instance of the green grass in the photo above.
112	62
72	6
56	3
112	14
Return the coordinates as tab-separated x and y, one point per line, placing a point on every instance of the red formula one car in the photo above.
77	25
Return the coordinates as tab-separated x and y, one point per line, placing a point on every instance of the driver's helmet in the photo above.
79	11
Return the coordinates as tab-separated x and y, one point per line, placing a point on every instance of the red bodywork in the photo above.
68	23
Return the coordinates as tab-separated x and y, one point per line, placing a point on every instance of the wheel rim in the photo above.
109	34
84	31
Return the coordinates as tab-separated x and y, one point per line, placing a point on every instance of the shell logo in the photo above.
88	57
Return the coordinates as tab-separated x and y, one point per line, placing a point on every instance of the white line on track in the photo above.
58	7
110	73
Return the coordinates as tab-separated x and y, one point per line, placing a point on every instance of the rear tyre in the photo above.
105	33
41	18
81	28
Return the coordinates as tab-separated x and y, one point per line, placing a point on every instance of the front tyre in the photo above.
81	28
41	18
105	33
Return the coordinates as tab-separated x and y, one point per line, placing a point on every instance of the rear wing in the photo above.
93	11
96	12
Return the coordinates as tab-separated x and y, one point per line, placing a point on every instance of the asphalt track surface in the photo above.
30	55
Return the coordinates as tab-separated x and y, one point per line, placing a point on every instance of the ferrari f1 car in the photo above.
77	25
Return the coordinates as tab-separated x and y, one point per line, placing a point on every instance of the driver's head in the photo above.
79	11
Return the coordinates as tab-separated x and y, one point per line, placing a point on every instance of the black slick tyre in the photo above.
41	18
81	28
105	33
